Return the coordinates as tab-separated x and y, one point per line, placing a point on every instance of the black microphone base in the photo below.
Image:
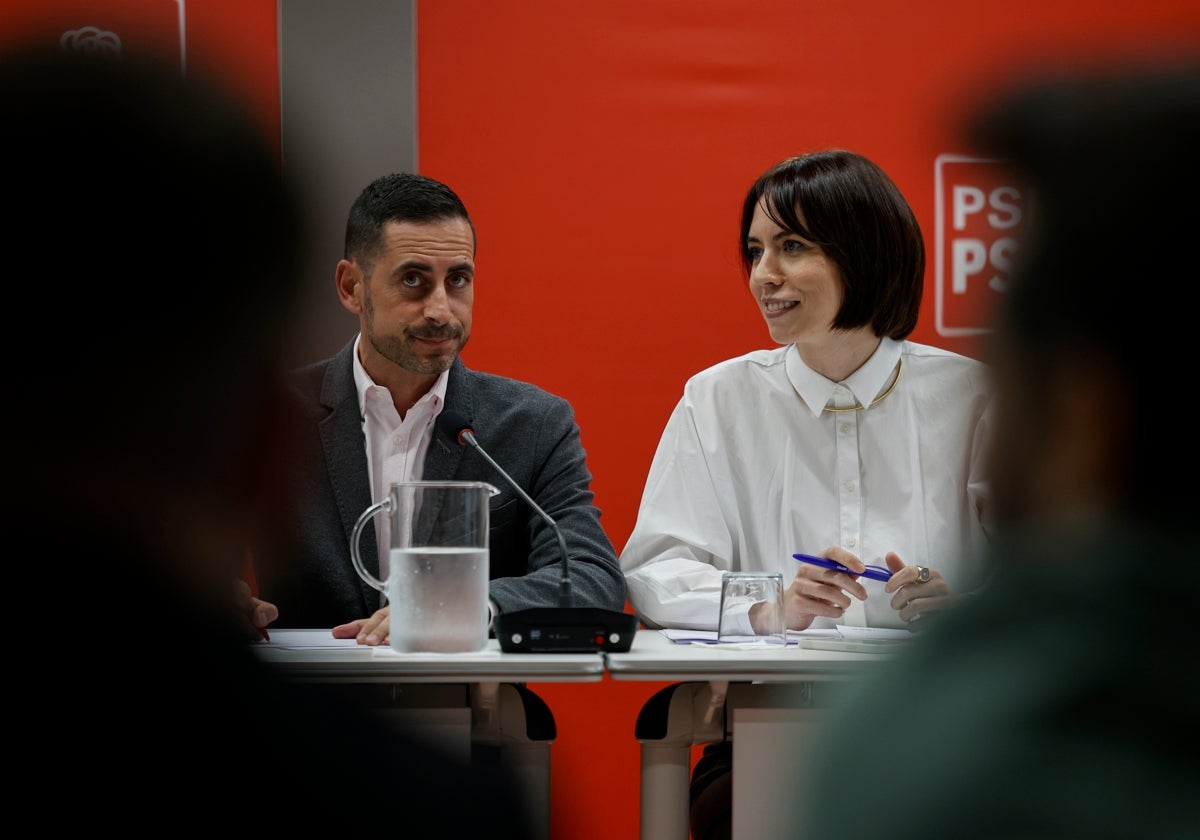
565	630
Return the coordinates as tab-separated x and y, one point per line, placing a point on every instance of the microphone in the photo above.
562	629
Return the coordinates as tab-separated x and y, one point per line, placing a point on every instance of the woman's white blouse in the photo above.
751	468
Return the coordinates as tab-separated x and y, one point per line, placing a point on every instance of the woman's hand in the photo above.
918	592
822	592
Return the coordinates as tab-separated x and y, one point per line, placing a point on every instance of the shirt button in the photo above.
850	543
845	428
849	485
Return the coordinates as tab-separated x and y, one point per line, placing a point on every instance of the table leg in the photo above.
519	724
669	724
772	727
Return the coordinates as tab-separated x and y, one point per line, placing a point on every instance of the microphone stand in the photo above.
566	597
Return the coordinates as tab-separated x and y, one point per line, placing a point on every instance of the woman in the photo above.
847	441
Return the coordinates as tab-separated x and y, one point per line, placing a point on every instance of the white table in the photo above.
463	700
765	699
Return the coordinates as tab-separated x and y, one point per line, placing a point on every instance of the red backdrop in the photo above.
603	150
604	153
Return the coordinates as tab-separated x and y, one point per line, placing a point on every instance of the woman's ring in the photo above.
922	574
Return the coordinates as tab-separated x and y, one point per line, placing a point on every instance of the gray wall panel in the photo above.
348	98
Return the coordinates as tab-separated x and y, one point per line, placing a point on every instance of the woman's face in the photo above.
798	288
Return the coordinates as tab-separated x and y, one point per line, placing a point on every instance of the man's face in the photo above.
418	296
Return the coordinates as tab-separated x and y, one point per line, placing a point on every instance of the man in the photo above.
146	448
368	420
1059	703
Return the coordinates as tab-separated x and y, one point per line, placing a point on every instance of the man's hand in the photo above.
368	631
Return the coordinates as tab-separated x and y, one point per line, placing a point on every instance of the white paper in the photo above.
848	632
386	652
685	636
307	640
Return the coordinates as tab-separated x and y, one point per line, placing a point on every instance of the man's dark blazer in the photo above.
529	432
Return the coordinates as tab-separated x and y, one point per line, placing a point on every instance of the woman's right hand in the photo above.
822	592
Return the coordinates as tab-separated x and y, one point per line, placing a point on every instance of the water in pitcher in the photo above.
439	599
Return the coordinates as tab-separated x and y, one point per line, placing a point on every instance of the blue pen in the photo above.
872	572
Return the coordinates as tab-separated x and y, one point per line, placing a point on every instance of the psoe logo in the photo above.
977	215
91	39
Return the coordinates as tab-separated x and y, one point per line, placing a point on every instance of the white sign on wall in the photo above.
977	214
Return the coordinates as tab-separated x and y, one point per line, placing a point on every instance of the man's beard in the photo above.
402	351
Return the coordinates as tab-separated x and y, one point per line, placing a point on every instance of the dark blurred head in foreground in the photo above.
1057	702
156	244
1095	331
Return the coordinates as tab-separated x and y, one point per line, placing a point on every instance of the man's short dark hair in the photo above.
398	197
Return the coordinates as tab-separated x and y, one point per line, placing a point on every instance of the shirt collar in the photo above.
363	383
864	385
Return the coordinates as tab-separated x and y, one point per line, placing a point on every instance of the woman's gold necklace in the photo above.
877	400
